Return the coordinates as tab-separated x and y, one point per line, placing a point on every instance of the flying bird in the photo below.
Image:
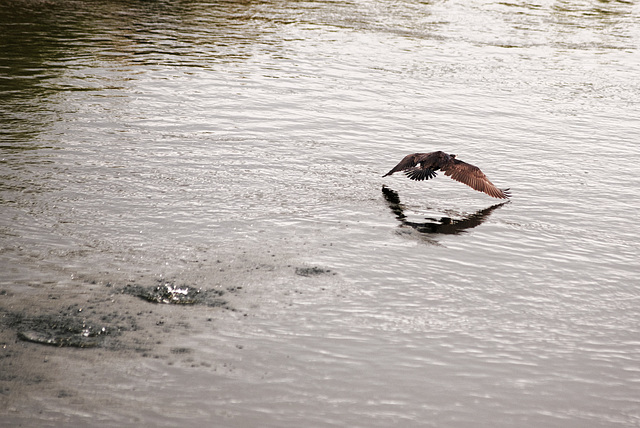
460	171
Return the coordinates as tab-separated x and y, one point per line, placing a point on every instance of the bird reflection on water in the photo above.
444	225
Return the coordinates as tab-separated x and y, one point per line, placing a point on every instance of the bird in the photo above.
458	170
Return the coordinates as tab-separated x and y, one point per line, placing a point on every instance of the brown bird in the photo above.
452	167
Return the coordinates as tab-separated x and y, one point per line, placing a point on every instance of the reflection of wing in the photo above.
444	226
393	200
474	178
473	220
390	195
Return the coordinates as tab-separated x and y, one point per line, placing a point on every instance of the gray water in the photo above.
229	143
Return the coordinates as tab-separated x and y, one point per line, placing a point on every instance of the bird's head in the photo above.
452	156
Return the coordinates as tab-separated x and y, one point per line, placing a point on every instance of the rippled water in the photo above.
165	138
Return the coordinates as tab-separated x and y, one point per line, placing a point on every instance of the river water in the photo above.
240	146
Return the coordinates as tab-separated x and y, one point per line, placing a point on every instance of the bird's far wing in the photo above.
474	178
420	174
409	161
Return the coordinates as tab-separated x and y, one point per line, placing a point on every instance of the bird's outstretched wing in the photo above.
409	161
474	178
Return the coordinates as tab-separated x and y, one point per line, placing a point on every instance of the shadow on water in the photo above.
434	226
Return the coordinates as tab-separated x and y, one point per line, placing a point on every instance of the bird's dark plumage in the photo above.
460	171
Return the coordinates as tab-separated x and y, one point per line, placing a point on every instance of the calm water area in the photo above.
238	147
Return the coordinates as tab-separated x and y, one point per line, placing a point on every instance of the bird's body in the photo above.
458	170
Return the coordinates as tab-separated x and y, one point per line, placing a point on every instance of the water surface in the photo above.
226	144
